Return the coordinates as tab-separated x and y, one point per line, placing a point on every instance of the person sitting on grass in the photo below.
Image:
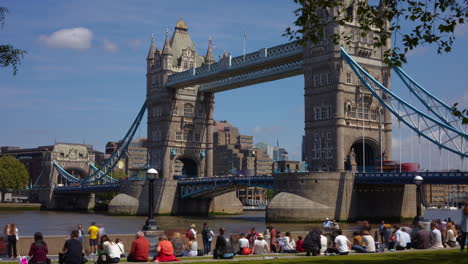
178	244
403	239
260	246
243	245
165	250
289	245
223	248
299	243
423	238
312	243
140	249
38	250
192	247
342	243
436	234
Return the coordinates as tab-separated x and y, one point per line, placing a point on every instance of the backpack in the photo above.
188	233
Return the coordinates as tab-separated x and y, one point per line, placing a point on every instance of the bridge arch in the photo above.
77	172
187	166
368	154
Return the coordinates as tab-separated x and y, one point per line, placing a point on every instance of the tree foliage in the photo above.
408	23
9	55
13	174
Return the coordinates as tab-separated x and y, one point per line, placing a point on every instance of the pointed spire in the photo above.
152	49
209	58
167	45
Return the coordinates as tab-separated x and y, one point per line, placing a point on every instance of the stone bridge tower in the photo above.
180	121
339	110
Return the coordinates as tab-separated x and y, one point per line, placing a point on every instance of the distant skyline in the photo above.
83	78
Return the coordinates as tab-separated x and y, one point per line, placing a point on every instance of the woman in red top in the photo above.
38	250
165	250
299	243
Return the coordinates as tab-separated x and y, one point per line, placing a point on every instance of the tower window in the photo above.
178	135
185	64
348	78
191	64
188	110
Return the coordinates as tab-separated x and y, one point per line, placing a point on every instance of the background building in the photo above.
234	154
136	156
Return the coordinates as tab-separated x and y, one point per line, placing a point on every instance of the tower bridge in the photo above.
348	124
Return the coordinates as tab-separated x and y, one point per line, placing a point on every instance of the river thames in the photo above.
62	223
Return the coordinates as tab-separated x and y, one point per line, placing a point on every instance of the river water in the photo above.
62	223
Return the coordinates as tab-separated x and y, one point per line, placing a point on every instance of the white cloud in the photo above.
109	46
69	38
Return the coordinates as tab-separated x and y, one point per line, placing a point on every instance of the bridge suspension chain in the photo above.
439	133
121	149
433	104
111	162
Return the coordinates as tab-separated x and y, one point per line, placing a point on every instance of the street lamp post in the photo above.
150	224
418	180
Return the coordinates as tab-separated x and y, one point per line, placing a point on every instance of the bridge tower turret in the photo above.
345	127
180	121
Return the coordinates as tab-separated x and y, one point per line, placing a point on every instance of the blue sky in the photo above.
90	89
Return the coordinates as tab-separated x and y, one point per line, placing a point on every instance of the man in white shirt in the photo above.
342	244
437	236
403	239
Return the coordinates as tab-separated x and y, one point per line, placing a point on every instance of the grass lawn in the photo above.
415	257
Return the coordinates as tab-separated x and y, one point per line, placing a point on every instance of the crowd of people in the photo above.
328	240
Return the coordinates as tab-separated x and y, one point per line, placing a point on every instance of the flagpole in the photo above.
245	37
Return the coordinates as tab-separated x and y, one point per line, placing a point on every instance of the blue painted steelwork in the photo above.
104	177
243	70
110	163
431	102
212	186
408	177
91	188
65	175
441	134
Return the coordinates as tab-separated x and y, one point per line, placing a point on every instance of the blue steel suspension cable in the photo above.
449	132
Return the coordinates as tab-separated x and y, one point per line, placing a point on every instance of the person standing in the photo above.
206	235
80	233
382	232
93	232
464	226
191	232
11	232
73	249
38	250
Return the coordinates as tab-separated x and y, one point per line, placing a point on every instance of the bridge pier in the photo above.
315	196
133	200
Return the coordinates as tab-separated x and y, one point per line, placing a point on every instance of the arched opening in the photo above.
364	156
188	167
76	172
